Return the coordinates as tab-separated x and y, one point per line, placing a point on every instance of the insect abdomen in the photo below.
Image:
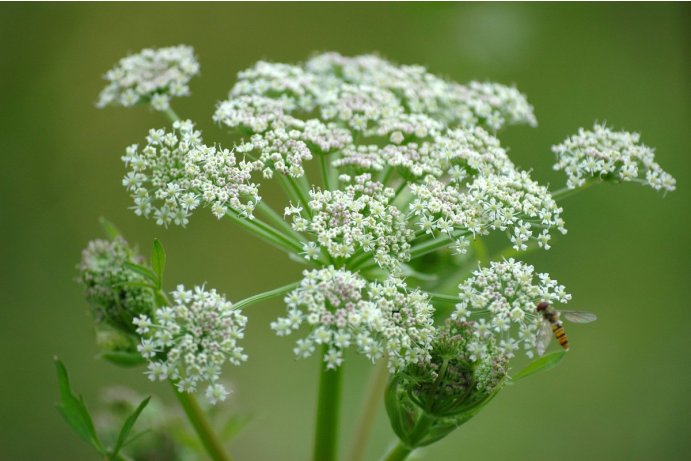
560	334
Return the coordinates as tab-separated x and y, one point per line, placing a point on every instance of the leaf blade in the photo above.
543	363
127	426
74	411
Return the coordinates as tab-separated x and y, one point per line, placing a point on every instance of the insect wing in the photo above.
544	336
579	316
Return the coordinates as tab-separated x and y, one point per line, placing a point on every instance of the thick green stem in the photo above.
195	415
276	292
398	453
328	410
295	193
401	451
375	390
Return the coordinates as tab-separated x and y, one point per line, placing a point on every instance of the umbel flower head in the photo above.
505	296
190	340
175	173
357	218
609	155
341	309
114	292
151	76
447	390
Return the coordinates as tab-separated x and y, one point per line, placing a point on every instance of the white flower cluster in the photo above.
152	75
610	155
512	202
358	218
190	340
505	297
175	173
343	309
456	154
331	101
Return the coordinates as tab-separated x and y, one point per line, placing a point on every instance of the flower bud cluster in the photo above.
506	296
190	340
114	292
150	76
380	319
175	173
610	155
357	218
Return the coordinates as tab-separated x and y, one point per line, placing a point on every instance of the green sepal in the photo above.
74	411
158	262
109	228
127	427
123	358
543	363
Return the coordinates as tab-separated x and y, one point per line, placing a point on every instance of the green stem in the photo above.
266	232
296	193
326	174
172	116
276	218
328	408
429	246
401	451
565	192
212	444
375	390
442	298
276	292
398	453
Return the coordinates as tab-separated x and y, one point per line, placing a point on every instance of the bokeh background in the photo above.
623	392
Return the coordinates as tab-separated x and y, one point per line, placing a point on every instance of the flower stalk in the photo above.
328	412
212	444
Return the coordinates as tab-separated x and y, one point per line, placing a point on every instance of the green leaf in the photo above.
109	228
158	261
123	358
541	364
127	427
73	409
142	270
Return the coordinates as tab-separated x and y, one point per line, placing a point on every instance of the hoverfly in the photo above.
552	326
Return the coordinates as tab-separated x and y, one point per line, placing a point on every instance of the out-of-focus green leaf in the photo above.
109	228
123	359
73	409
127	427
541	364
142	270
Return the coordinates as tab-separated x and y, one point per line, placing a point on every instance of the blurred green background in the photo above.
624	391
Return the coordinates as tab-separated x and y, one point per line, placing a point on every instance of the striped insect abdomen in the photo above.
560	334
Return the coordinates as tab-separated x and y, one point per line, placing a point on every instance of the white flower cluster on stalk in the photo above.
357	218
604	154
175	173
341	308
151	76
505	296
190	340
512	202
